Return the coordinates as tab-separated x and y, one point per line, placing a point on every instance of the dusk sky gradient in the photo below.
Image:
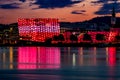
64	10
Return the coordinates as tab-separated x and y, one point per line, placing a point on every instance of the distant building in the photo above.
9	34
114	30
38	29
113	18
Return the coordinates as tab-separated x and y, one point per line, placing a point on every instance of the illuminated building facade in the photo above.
114	30
94	35
38	29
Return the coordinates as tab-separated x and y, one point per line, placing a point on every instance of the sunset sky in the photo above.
64	10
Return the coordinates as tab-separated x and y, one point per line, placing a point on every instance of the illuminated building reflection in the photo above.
38	58
81	55
78	56
111	56
111	60
6	58
69	56
88	56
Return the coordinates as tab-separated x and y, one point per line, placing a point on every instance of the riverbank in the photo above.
60	44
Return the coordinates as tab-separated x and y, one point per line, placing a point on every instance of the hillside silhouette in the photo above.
98	20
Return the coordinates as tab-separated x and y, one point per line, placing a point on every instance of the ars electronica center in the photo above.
38	29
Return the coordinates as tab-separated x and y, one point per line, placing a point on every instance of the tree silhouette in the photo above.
73	38
61	37
55	37
117	37
87	37
48	41
100	37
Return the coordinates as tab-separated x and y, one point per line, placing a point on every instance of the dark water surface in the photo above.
59	63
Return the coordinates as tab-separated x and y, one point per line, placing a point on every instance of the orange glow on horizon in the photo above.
63	14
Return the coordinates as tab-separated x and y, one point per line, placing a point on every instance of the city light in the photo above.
38	29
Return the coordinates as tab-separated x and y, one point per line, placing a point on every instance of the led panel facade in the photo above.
38	29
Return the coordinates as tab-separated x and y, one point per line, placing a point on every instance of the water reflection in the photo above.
111	56
38	58
7	57
111	61
57	57
60	63
78	56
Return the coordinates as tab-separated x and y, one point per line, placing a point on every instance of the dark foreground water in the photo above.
59	63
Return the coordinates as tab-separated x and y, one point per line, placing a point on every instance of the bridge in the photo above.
94	37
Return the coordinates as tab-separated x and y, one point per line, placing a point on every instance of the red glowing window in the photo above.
38	29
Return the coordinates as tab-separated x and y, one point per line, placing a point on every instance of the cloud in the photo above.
16	4
98	2
22	0
47	4
78	12
107	7
56	3
9	1
9	6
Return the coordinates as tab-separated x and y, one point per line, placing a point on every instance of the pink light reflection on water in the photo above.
27	57
38	58
111	56
111	62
